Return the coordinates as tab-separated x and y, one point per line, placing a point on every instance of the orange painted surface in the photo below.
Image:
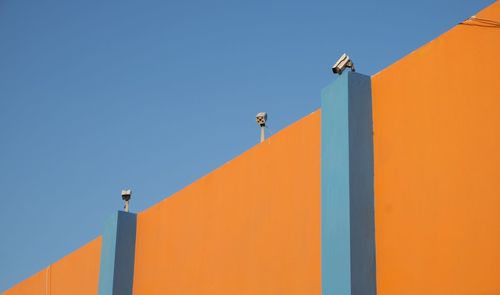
250	227
34	285
437	165
75	274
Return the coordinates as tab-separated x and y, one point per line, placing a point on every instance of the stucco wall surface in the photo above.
437	164
250	227
75	274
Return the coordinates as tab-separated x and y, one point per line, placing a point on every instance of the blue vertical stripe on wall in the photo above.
116	274
335	228
347	216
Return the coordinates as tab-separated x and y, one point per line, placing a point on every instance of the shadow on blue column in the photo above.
347	205
116	274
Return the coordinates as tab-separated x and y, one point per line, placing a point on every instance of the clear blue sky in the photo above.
96	96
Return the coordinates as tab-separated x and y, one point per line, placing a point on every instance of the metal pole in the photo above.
126	206
262	137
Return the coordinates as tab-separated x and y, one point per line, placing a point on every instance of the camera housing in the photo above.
342	63
261	119
126	194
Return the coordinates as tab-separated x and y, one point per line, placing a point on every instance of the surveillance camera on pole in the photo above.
126	195
261	119
343	63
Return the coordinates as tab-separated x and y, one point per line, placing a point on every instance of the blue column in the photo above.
347	211
117	255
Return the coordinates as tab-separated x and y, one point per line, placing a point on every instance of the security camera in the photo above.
126	194
343	63
261	119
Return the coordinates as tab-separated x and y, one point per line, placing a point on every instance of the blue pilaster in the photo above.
347	211
116	274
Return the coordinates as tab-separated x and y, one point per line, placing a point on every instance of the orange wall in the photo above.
75	274
34	285
250	227
253	225
437	165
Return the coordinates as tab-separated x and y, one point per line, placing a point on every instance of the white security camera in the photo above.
343	63
126	194
261	119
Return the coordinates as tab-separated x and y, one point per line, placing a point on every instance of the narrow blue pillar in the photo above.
347	211
117	255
